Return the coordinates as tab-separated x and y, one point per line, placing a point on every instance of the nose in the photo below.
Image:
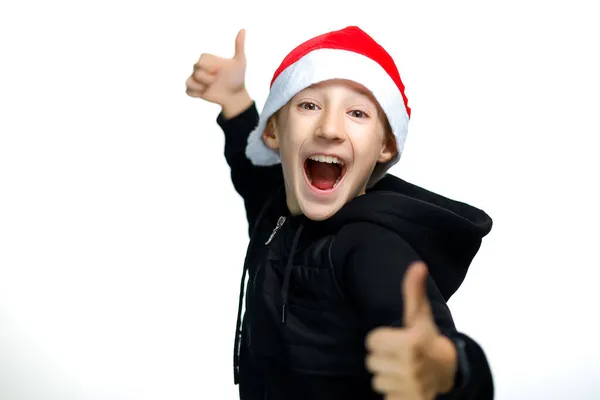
331	126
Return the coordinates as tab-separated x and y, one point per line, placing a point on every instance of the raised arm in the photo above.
222	81
254	183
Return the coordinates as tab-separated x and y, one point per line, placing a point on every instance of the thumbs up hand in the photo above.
221	80
415	362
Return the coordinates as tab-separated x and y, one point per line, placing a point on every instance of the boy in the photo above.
339	302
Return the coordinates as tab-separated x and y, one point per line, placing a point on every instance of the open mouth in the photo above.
324	172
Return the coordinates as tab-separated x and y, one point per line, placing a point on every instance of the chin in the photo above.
318	212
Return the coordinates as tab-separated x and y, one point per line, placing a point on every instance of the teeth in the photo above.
326	159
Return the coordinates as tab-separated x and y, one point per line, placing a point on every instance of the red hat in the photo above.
350	54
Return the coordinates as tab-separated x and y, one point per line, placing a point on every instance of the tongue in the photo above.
323	175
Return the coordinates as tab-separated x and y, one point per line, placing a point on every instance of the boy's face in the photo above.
329	137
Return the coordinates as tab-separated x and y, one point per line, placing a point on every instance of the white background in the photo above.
122	239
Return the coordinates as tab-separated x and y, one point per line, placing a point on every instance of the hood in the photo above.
446	234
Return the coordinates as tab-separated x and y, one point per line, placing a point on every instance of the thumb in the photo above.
239	45
414	292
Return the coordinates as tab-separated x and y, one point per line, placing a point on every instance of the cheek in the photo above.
292	138
367	146
289	146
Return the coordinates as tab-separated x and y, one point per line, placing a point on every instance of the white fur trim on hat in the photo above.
321	65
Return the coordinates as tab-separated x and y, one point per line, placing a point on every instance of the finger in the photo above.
239	45
385	365
203	77
193	93
395	396
414	292
390	341
192	85
208	62
387	384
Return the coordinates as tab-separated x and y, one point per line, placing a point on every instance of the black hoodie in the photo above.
316	288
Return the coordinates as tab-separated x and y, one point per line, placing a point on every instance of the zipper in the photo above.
239	327
252	288
280	223
278	226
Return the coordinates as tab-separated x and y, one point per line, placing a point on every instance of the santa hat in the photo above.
349	54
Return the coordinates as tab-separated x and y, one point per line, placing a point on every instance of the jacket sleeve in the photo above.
369	263
254	183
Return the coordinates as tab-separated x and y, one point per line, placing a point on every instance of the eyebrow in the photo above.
362	90
356	87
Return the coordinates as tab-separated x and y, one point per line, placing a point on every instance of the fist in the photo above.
216	79
414	362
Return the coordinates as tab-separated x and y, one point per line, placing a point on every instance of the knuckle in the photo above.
202	77
371	340
199	75
203	59
376	336
378	383
369	362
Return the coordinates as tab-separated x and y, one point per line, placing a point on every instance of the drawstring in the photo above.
288	272
238	325
238	332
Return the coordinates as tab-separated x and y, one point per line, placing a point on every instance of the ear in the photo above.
389	149
271	135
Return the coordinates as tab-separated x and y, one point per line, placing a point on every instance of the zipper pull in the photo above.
280	223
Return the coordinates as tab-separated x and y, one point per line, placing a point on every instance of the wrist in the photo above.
236	104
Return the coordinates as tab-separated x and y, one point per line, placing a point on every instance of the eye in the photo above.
359	114
307	105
